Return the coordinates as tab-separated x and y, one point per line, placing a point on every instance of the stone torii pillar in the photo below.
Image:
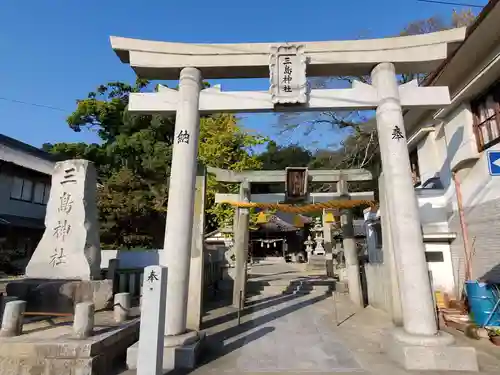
419	336
178	232
350	250
241	235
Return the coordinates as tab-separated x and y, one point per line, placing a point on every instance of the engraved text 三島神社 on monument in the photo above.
69	248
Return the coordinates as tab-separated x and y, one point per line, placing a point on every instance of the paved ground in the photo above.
302	334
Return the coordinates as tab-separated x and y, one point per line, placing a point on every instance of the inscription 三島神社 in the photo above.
62	229
287	74
57	257
397	134
69	176
183	137
65	203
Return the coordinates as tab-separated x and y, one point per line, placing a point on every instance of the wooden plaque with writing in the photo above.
296	183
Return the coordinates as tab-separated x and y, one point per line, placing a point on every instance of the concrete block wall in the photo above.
483	222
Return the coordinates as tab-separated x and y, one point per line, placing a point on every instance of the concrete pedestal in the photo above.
55	350
61	296
179	352
437	352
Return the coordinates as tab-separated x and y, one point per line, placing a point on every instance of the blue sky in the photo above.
53	52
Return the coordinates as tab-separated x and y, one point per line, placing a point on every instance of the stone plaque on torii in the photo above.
287	68
383	59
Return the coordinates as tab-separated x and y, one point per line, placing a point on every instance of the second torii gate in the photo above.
245	179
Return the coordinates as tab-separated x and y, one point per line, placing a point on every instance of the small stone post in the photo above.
179	227
121	307
12	319
83	323
3	301
151	336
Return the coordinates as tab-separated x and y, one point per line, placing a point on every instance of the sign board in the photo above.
494	163
296	184
287	71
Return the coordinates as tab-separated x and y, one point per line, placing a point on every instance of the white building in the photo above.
454	140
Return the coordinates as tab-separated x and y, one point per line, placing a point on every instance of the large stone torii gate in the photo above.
419	343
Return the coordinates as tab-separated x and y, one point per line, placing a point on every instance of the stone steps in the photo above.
305	286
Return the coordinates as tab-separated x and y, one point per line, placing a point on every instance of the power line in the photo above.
33	104
451	3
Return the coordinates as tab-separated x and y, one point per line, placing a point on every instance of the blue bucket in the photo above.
482	299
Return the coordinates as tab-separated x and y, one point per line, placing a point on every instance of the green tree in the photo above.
279	157
133	162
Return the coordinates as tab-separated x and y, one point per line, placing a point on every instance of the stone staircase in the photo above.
299	286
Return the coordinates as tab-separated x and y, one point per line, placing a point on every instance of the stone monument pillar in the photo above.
178	232
70	247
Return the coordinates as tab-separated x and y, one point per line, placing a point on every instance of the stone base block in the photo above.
55	351
61	295
429	353
174	357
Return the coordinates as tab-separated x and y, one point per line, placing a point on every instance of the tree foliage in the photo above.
279	157
133	163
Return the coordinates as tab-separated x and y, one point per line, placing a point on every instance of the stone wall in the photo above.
483	222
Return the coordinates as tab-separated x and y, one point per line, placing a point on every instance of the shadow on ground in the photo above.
215	347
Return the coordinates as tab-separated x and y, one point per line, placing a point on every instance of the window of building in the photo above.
16	191
27	194
46	194
28	191
40	193
415	172
486	114
21	189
